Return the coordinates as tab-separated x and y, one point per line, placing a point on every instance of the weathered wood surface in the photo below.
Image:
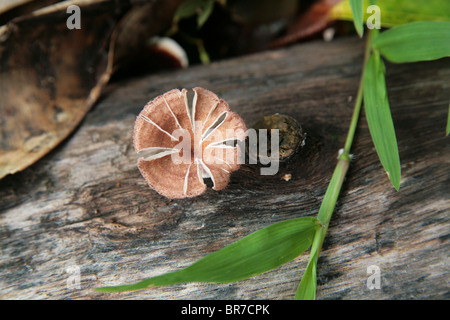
86	205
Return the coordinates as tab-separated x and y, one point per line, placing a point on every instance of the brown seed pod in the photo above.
179	146
291	136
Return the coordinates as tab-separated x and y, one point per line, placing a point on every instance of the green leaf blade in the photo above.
205	13
358	14
189	8
379	118
307	287
447	131
254	254
416	41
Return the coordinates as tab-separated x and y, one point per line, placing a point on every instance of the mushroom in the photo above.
179	146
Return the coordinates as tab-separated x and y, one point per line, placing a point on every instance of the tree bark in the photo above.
86	207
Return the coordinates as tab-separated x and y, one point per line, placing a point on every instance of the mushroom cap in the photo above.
211	130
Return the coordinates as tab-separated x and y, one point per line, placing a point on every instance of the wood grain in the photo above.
85	204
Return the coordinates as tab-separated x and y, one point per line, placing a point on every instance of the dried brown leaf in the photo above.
50	76
314	20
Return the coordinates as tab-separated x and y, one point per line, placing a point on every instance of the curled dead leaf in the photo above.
50	75
317	18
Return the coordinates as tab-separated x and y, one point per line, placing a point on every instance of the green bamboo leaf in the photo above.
357	11
254	254
448	121
417	41
379	118
307	288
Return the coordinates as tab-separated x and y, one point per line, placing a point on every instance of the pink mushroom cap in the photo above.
203	136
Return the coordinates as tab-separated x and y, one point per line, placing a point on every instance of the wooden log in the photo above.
86	207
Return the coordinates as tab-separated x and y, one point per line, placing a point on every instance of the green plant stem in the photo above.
359	98
337	180
307	287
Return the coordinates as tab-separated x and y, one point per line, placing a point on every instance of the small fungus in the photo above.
179	146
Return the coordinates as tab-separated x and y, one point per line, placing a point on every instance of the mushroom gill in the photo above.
179	146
